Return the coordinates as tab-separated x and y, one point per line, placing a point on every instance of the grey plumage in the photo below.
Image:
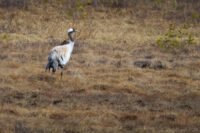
53	62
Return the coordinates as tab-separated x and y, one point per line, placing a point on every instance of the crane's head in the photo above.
71	30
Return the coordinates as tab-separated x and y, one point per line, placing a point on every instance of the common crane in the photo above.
60	55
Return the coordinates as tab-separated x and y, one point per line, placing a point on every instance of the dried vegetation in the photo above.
118	79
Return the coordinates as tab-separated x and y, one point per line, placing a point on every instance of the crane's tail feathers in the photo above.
54	66
52	62
48	66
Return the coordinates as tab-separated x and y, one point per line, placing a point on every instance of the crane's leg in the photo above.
61	73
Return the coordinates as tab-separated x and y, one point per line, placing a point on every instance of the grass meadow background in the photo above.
118	79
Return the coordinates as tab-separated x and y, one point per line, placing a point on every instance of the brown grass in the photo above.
101	90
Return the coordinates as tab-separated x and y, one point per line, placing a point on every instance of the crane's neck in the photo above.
71	46
71	42
70	37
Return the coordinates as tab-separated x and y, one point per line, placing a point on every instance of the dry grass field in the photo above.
105	87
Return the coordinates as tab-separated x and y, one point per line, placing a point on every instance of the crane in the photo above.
60	55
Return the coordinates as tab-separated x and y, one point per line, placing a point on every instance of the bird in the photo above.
60	55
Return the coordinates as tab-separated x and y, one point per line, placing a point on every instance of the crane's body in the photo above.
64	52
60	55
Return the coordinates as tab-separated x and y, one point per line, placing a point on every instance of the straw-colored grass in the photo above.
102	89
